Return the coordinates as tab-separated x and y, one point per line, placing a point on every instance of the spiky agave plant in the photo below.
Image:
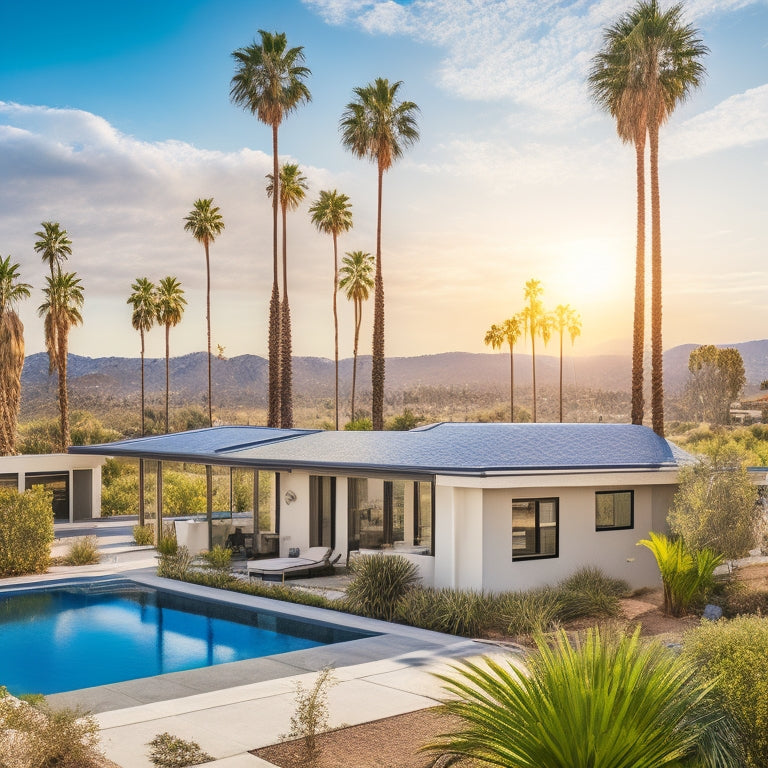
607	701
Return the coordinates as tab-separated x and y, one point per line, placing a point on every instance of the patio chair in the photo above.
310	561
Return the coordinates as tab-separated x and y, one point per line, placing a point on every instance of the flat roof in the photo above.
444	448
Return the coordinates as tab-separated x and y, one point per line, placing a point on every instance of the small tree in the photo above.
26	531
311	716
716	504
717	377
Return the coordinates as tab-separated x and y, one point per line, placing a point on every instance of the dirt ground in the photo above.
394	742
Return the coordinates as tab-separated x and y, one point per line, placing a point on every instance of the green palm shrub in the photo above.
733	654
26	531
378	583
83	551
686	576
608	701
467	613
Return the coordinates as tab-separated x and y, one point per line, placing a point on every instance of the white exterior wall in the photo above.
57	462
294	517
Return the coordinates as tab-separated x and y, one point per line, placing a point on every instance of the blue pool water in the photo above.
62	639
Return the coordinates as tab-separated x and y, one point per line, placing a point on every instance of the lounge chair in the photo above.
313	559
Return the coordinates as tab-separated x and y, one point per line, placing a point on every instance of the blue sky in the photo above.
115	117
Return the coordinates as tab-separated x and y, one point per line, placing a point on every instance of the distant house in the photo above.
74	481
480	506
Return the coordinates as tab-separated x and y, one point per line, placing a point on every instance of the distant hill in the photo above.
243	380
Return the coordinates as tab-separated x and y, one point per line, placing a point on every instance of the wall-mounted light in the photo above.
289	497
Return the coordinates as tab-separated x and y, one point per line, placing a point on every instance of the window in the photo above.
322	511
614	510
534	528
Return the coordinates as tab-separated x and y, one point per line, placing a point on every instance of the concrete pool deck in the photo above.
232	708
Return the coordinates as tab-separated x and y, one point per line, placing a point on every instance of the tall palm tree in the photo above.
269	83
332	214
61	310
170	310
660	58
537	323
53	246
143	301
510	332
378	126
12	290
565	318
292	185
356	282
615	86
206	224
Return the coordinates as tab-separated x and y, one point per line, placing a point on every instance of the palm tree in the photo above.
616	87
170	310
510	332
61	310
377	126
332	214
143	301
11	353
292	186
206	224
659	58
577	703
536	322
356	282
564	318
269	83
53	246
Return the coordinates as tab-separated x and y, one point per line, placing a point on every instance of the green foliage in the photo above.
568	710
168	544
739	601
44	435
716	505
83	551
732	654
360	424
177	565
26	531
35	736
310	717
405	421
687	576
183	493
531	611
457	612
144	535
119	488
172	752
752	441
219	558
378	583
589	592
717	378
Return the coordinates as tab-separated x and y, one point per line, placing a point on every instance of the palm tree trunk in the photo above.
141	333
533	362
286	367
336	324
358	321
511	384
377	372
167	373
63	396
561	377
657	374
273	417
638	338
208	323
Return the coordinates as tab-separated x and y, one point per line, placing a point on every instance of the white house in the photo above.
74	480
480	506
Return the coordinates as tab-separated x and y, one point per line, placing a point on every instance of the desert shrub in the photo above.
119	488
378	583
177	565
167	544
218	559
26	531
590	592
457	612
687	577
732	654
36	736
83	551
310	717
360	424
592	579
168	751
531	611
183	493
739	601
405	421
144	535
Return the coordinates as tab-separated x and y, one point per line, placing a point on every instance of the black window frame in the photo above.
614	527
537	529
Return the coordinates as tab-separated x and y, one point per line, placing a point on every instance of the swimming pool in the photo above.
88	634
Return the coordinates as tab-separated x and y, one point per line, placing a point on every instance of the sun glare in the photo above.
588	271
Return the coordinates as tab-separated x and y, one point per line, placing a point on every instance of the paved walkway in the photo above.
232	708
